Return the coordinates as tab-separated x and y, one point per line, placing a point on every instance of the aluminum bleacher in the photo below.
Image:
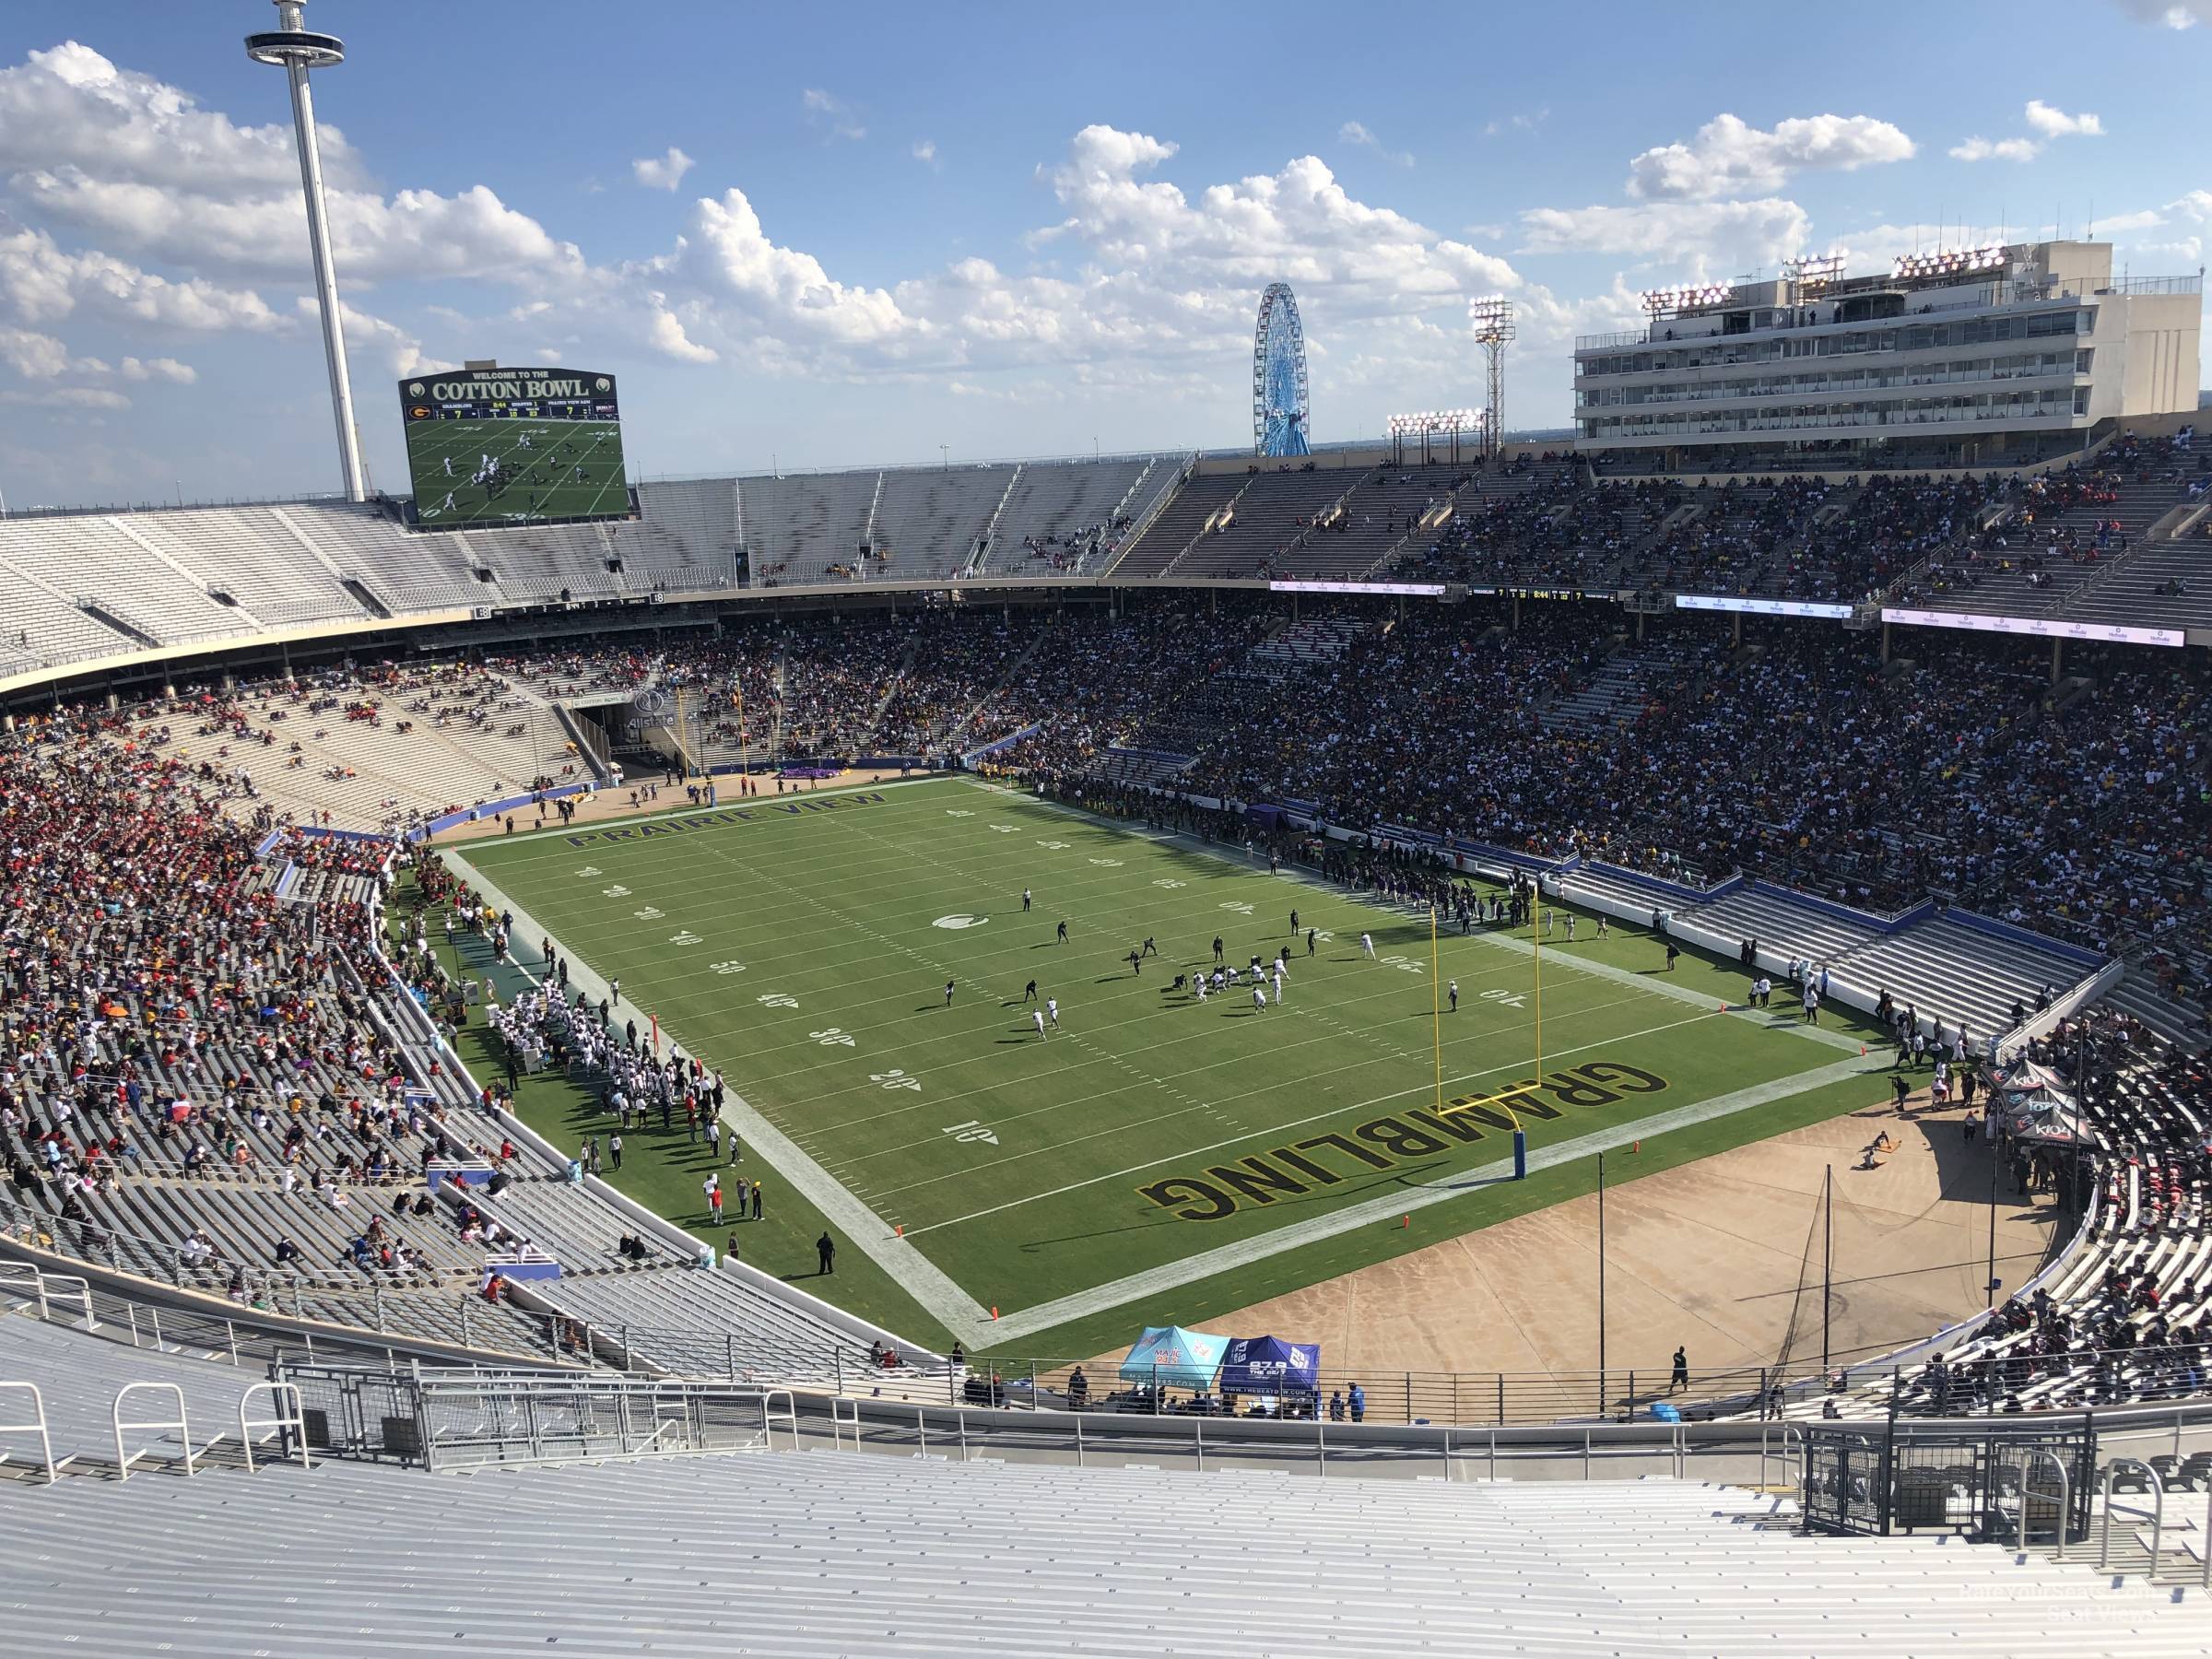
42	626
1944	964
685	538
89	559
931	520
404	570
1060	516
804	527
253	554
1201	500
1781	919
846	1554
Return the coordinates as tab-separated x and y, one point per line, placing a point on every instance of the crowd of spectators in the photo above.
167	1015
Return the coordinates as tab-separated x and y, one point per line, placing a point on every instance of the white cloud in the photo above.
662	172
2003	149
667	336
1520	123
926	151
37	356
168	369
71	107
43	283
1696	239
399	350
2117	224
135	162
68	397
728	256
2196	206
1353	132
411	233
1729	156
2047	120
2056	123
33	355
831	114
2171	14
1298	224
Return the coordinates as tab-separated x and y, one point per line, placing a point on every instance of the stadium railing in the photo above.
442	1419
445	1417
119	1307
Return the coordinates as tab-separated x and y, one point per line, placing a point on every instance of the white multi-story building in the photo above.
1969	358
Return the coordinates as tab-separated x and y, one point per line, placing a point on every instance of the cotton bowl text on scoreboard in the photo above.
496	445
541	394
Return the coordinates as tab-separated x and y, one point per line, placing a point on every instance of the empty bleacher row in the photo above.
1006	520
847	1553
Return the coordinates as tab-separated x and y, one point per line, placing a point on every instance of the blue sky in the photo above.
852	236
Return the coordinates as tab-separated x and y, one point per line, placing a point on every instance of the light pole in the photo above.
1604	1405
295	50
945	458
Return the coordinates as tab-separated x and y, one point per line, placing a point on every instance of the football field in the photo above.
469	471
1149	1152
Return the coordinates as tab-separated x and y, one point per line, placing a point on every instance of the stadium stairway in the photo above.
1179	524
1973	976
1788	924
842	1554
2137	994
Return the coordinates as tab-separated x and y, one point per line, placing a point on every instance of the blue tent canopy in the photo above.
1268	1365
1174	1357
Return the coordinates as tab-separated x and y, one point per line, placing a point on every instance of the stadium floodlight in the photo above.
1949	262
1491	317
1689	297
295	50
1809	273
1433	421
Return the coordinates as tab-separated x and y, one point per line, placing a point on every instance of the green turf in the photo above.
549	468
804	951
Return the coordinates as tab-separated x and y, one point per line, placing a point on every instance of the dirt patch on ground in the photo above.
1720	1258
611	804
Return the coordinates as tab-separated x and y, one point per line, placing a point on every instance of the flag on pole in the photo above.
656	1036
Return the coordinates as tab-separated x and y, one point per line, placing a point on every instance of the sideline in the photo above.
915	1273
632	820
1173	1276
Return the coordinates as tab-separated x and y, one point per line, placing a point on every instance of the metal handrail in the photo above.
293	1423
180	1423
2021	1530
35	1425
2158	1523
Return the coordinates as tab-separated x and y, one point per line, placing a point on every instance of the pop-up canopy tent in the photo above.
1174	1357
1269	1366
2034	1103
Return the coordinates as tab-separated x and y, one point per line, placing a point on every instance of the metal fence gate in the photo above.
1983	1479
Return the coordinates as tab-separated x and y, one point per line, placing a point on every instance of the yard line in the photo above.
915	1273
1420	1089
1157	1281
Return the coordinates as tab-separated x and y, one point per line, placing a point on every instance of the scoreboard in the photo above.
514	446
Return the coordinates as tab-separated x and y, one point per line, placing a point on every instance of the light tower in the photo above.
296	51
1493	318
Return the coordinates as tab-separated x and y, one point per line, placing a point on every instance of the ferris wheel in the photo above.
1279	411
